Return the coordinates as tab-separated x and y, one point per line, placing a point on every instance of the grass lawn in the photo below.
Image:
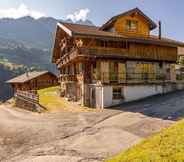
166	146
50	99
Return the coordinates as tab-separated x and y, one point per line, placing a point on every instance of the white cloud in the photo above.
21	11
79	15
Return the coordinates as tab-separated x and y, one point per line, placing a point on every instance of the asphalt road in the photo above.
83	137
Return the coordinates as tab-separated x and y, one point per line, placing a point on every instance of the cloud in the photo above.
21	11
79	15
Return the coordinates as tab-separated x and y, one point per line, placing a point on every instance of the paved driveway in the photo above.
83	137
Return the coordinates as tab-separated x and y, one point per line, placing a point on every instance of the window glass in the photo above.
81	68
117	93
131	25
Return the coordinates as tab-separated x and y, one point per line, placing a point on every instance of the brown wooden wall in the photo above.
41	82
153	52
143	26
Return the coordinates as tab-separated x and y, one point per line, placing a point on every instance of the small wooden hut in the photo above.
33	81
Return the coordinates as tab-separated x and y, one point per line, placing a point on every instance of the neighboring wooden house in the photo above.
33	81
119	61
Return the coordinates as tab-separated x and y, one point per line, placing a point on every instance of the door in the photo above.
92	97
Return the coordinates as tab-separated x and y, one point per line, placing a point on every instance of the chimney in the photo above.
27	72
160	30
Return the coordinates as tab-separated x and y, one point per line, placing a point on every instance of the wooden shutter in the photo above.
105	72
121	72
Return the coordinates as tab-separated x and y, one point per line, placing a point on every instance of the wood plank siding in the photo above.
153	52
142	25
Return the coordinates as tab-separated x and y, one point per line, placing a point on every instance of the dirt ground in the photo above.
83	137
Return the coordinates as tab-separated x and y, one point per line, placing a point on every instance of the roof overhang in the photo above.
68	31
133	40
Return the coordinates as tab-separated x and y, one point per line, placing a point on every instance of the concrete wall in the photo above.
107	96
135	92
180	85
104	94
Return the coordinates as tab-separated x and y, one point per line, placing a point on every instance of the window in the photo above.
81	68
131	25
117	93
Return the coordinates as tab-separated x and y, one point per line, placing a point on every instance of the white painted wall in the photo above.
180	86
136	92
104	96
107	96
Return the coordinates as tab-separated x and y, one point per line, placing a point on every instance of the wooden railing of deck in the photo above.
131	77
29	95
91	51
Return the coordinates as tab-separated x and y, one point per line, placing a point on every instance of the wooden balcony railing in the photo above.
117	78
90	52
68	77
131	77
103	51
28	95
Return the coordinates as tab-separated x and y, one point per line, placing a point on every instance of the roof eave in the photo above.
136	40
68	31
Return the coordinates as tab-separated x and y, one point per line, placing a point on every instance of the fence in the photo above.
29	95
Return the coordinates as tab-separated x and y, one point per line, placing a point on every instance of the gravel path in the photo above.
83	137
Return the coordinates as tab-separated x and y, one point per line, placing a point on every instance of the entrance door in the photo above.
92	97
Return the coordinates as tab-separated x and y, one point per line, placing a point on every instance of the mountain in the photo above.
7	71
33	33
25	43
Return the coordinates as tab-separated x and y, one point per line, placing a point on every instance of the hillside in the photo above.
25	42
7	71
168	145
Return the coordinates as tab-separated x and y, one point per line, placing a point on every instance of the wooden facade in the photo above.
120	52
33	81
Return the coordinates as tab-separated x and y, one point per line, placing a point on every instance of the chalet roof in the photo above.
77	29
28	76
110	23
93	31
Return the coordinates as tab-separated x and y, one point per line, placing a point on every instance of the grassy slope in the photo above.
50	99
167	146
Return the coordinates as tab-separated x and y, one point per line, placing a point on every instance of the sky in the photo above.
170	12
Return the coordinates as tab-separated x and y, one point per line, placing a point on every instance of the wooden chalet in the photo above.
119	61
35	80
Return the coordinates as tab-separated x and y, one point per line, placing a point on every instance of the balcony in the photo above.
92	52
68	78
132	78
102	51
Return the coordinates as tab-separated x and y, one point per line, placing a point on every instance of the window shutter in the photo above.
105	72
121	72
